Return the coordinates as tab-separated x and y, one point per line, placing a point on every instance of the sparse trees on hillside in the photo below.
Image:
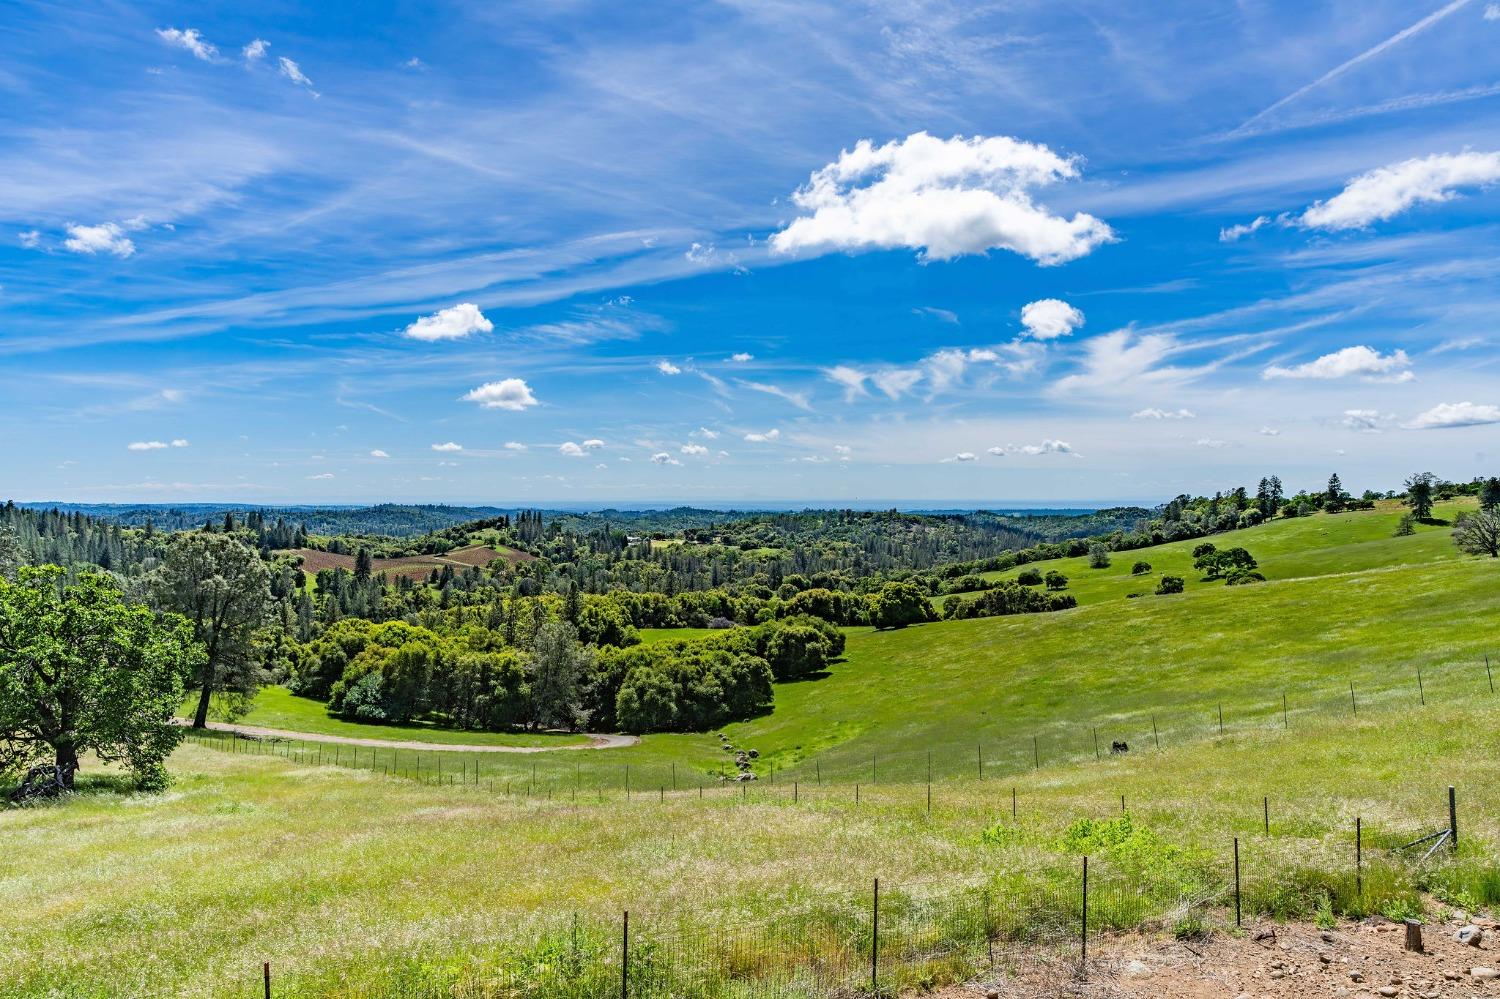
223	589
1098	556
1056	580
1140	568
1170	584
82	671
1479	533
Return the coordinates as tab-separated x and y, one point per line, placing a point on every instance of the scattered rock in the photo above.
1484	974
1137	969
992	994
1470	935
1355	976
1389	991
1452	976
1326	958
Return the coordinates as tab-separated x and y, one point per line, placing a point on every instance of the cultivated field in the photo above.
416	567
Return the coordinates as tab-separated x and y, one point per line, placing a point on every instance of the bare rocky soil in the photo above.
1365	960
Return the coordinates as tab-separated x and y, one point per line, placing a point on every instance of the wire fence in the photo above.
885	940
1047	924
589	775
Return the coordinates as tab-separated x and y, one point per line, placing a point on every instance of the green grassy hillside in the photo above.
1320	545
1346	602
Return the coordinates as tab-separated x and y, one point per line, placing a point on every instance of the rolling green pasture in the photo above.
1346	603
1320	545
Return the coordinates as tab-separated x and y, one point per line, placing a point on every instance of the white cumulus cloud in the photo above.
1152	413
180	442
1384	193
449	446
31	238
706	433
1360	361
668	368
191	40
452	323
514	446
593	444
377	453
322	475
106	237
1456	414
255	50
769	435
697	450
145	445
943	197
570	449
508	393
1049	318
966	456
741	357
663	458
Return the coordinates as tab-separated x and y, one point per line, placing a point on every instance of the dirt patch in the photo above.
1365	960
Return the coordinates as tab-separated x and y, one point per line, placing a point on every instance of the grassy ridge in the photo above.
1320	545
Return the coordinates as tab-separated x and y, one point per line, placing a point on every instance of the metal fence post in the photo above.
1266	805
625	958
875	941
1452	818
1237	881
266	973
1083	964
1359	850
1421	691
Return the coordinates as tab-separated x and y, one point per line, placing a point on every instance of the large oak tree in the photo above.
83	671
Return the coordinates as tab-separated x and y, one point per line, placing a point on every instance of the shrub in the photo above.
1406	527
1030	577
1098	556
1140	568
1056	580
1170	584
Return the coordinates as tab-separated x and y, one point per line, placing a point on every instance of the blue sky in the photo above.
587	252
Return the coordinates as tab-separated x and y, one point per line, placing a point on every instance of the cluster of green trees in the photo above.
471	678
1006	598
